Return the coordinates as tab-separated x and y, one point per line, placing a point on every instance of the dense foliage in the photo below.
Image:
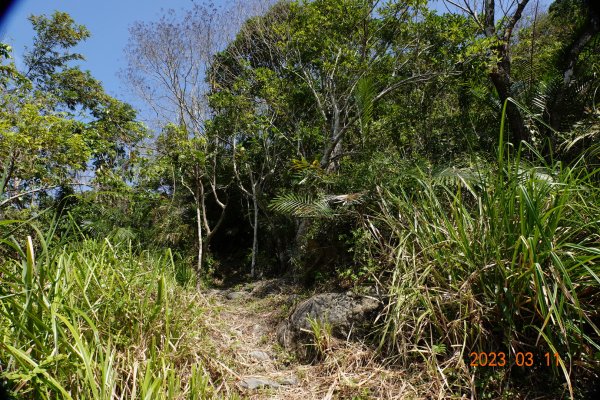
449	159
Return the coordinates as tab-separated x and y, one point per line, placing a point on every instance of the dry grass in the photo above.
348	370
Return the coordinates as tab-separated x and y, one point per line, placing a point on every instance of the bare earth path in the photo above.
245	335
243	331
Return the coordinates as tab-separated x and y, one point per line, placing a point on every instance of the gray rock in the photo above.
256	382
258	330
289	381
235	295
259	355
268	287
348	315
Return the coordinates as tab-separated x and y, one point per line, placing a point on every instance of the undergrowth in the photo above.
99	320
498	257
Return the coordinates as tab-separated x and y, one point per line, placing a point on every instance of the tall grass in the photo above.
497	257
99	320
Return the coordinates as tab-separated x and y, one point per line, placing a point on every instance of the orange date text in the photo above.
520	359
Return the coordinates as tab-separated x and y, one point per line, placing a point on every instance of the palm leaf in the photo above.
304	205
300	205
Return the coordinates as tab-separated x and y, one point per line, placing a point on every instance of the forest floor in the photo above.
254	366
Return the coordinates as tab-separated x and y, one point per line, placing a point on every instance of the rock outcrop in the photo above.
348	315
270	287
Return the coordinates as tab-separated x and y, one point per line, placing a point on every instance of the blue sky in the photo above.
108	22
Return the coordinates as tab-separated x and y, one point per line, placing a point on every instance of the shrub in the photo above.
498	257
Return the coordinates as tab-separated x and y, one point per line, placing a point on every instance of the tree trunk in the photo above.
500	77
333	148
200	246
254	231
586	34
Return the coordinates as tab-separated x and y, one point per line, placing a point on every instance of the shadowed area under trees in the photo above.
332	199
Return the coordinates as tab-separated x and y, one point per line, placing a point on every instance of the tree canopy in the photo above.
444	158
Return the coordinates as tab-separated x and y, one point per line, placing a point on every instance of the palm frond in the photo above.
466	177
306	206
345	199
365	94
301	205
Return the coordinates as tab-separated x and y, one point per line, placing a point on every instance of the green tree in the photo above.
544	61
167	61
56	120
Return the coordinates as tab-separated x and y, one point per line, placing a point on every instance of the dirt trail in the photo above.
243	330
246	338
